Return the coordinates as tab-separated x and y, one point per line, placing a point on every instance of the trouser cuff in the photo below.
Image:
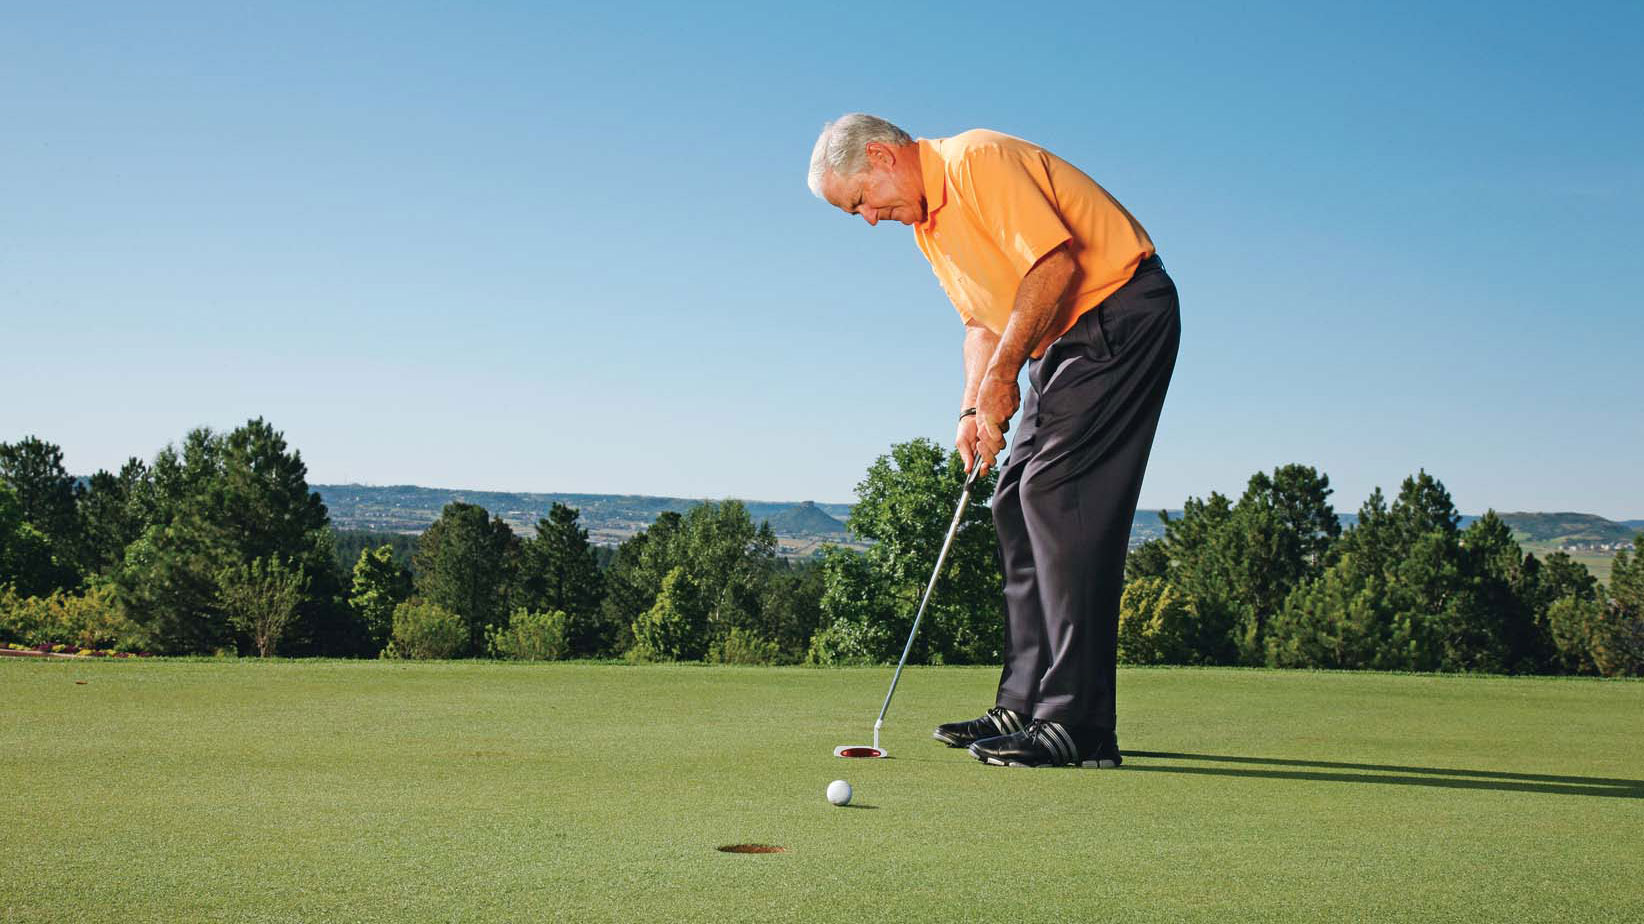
1075	719
1014	704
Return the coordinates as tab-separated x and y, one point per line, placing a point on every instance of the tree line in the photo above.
1272	579
219	546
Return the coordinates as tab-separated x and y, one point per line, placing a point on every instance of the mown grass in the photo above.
1600	564
380	791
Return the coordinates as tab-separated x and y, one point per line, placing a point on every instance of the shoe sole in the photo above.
951	741
1099	764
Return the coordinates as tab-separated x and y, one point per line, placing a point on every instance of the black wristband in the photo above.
969	412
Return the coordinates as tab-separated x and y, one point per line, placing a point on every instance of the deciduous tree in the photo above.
905	506
380	584
675	628
260	599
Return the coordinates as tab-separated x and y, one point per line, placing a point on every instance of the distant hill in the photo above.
1567	527
806	519
803	526
1552	528
609	518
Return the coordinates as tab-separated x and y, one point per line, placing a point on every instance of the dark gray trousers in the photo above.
1067	495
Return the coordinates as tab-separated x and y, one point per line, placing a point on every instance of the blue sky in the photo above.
523	246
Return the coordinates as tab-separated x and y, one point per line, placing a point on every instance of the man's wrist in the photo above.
996	372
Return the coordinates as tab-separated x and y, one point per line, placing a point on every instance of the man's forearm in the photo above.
1037	306
980	344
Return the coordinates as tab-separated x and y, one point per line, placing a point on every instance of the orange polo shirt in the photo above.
995	205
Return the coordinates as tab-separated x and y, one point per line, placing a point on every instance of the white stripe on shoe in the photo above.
1062	743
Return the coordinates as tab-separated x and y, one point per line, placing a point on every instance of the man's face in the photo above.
889	189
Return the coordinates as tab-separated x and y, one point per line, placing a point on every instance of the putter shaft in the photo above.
953	529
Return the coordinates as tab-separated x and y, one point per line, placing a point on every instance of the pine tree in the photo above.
26	563
466	563
1282	530
114	510
559	572
1506	584
47	497
635	575
221	502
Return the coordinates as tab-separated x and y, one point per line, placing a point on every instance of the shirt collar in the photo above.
935	175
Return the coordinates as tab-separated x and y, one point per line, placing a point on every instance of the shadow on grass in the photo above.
1330	772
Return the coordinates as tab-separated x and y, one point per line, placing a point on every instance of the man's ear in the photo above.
880	154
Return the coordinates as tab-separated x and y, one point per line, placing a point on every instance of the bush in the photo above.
426	631
89	620
741	646
530	637
1157	623
847	641
261	598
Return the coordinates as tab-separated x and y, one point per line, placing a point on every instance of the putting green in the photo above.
475	791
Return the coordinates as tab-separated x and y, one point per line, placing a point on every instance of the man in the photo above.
1049	270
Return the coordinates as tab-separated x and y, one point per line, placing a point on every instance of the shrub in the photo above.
1156	623
261	599
848	641
426	631
530	637
741	646
20	617
92	619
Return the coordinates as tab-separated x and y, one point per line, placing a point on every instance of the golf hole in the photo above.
751	848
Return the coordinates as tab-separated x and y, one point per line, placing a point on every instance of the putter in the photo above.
862	750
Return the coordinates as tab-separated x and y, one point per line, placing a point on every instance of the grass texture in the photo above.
176	790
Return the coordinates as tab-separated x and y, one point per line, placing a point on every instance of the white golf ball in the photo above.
839	792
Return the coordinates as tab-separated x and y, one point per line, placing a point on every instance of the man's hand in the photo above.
996	403
965	441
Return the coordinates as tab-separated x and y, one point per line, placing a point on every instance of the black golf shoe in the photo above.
1050	744
998	721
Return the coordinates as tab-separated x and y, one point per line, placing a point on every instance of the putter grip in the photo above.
975	465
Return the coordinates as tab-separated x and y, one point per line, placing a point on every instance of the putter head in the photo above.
857	750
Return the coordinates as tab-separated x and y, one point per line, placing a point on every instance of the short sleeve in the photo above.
1008	194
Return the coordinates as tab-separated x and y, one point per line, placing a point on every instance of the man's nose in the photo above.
871	216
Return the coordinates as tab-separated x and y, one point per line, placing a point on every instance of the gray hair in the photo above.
841	149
